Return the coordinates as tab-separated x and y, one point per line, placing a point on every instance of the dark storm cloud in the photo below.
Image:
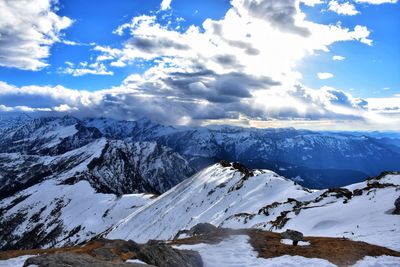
151	45
225	88
227	60
222	97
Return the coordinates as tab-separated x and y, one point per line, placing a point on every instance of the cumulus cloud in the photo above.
246	40
28	29
345	8
377	2
338	58
242	66
165	4
83	68
279	104
324	75
385	104
125	102
312	2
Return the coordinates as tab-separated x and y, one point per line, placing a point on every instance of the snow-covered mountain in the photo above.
62	182
315	159
63	148
229	195
212	195
52	213
59	212
66	180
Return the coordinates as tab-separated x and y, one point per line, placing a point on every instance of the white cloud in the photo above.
240	66
165	4
325	75
312	2
361	33
28	29
385	104
338	58
235	43
324	108
377	2
96	68
64	108
345	8
226	68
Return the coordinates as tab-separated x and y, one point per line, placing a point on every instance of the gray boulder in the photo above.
163	255
202	228
198	229
397	206
76	260
293	235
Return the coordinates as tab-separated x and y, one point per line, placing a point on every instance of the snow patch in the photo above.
16	262
382	261
290	242
237	251
135	261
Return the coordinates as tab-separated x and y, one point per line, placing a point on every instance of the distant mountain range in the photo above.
148	157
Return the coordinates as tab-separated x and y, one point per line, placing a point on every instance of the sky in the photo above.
315	64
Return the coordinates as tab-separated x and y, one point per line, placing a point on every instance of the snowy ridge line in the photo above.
268	201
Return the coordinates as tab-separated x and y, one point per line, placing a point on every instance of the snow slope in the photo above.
53	214
365	217
213	195
227	197
15	262
237	251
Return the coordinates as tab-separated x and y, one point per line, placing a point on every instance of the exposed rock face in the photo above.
338	193
76	260
237	166
105	253
293	235
202	228
397	206
163	255
198	229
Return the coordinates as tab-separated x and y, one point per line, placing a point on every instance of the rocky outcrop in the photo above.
76	260
397	206
344	193
198	229
163	255
293	235
202	228
105	253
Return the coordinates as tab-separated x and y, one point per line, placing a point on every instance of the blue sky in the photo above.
309	64
381	61
94	22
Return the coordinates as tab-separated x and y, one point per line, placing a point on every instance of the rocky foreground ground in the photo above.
103	252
